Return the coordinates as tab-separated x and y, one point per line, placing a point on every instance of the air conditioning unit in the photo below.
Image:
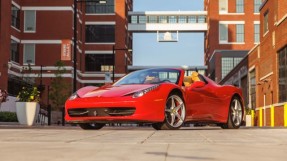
30	29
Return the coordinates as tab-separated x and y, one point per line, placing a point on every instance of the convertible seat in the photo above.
188	80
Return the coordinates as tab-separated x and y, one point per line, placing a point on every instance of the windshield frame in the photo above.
147	72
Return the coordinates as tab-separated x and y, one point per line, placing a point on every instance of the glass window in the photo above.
265	25
162	19
252	89
142	19
282	74
256	33
223	6
100	33
29	54
191	19
152	19
30	21
223	32
239	33
14	51
257	4
227	64
172	19
134	19
100	7
99	62
201	19
15	22
239	6
236	61
181	19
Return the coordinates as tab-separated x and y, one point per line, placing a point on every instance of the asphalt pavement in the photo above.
56	143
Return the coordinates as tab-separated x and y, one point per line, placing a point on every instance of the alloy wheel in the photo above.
236	112
175	111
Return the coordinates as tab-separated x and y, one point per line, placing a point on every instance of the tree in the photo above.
60	90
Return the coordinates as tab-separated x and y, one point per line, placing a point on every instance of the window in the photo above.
201	19
239	6
257	4
14	51
100	7
134	19
30	21
142	19
239	33
236	61
181	19
99	62
191	19
162	19
265	21
252	89
172	19
152	19
256	33
223	6
100	33
29	54
282	74
223	33
227	64
15	21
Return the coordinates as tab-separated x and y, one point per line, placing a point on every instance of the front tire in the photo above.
235	115
92	126
174	114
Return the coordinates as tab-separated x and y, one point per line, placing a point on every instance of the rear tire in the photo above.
92	126
235	115
174	114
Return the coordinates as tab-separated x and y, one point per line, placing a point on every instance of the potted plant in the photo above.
27	107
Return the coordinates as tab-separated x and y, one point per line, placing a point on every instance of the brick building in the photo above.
233	29
32	35
266	67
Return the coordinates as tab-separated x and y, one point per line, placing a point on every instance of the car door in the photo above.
202	101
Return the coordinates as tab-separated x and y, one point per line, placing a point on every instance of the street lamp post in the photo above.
75	47
114	59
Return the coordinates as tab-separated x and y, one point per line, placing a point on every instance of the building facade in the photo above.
266	67
233	29
39	33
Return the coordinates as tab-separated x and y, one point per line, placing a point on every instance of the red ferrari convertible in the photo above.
163	97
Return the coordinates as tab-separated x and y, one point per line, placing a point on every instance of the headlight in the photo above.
74	96
143	92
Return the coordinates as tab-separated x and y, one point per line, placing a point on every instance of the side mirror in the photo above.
198	84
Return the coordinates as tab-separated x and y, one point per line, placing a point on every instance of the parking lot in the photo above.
141	144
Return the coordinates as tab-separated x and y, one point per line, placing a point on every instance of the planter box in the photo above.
27	112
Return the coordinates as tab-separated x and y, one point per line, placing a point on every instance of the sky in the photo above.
189	50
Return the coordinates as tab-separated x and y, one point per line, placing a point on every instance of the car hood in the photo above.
116	91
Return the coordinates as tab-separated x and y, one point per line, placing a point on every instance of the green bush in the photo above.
8	117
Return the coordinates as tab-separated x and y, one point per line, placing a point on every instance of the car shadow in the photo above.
179	156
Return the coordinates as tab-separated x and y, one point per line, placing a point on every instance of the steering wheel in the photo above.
165	80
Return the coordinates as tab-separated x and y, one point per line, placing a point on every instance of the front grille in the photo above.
101	112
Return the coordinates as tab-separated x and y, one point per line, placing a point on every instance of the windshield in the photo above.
150	76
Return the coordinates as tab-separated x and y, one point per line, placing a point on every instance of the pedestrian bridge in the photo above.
163	21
